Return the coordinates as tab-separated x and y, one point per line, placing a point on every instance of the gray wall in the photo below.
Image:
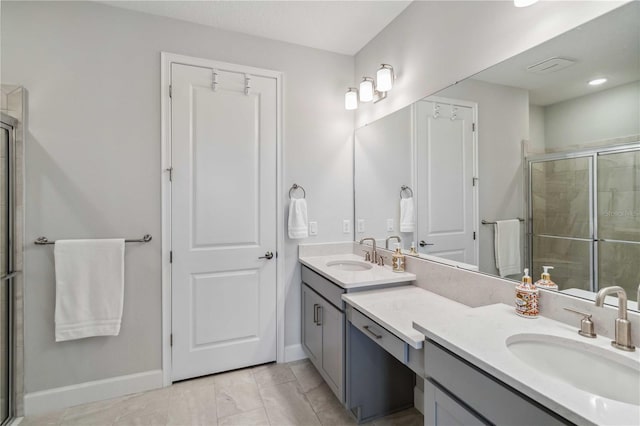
605	115
503	122
433	44
93	159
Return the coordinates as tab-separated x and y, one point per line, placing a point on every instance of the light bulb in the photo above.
366	89
523	3
351	99
384	78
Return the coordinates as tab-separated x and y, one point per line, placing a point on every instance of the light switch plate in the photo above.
346	226
390	225
313	228
360	226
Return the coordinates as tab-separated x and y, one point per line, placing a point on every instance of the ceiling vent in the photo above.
550	65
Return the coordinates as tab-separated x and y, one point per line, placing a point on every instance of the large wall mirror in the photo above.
533	162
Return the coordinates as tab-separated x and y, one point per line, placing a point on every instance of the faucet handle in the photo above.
381	260
367	255
586	325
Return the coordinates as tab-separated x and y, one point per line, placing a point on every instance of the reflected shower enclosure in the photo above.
584	217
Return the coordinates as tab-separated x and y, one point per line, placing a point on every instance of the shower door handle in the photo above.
8	276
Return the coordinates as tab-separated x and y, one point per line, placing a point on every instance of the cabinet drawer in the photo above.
485	395
380	335
323	287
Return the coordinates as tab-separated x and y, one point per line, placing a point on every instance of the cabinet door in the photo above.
442	410
333	346
311	327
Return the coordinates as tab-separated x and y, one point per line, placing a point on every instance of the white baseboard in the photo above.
82	393
294	353
418	399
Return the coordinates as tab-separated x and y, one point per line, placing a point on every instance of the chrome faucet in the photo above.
374	253
623	326
386	242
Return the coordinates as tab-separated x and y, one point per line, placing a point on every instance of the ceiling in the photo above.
608	46
337	26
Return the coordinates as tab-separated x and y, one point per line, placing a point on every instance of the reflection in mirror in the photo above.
525	164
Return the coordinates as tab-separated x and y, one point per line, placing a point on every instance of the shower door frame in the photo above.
9	123
592	153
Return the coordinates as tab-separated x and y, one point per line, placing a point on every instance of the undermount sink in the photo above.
587	367
350	265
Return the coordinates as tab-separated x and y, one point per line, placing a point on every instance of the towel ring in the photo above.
296	186
406	188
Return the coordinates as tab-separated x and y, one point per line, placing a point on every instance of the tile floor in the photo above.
273	394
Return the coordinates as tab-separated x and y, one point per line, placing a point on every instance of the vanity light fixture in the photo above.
384	78
366	89
370	89
597	81
351	99
523	3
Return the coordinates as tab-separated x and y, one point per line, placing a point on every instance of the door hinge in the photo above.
170	91
474	181
171	339
473	127
474	235
171	256
170	170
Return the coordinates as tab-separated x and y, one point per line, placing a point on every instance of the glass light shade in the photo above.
351	99
366	89
523	3
384	78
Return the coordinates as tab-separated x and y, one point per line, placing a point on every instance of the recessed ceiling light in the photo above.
523	3
597	81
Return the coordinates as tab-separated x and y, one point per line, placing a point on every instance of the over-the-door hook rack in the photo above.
294	187
404	188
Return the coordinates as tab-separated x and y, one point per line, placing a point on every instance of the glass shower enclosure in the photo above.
584	218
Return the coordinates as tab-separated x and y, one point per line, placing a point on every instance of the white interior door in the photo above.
223	201
445	172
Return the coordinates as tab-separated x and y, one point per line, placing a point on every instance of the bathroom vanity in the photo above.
324	280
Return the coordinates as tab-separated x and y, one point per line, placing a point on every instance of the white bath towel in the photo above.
507	247
89	288
407	215
298	221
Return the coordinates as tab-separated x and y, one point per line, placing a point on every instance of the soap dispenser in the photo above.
397	260
545	281
527	297
412	250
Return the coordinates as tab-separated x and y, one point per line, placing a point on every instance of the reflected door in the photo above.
562	220
618	217
223	198
446	153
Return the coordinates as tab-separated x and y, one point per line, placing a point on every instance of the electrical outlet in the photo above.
360	226
389	225
313	228
346	226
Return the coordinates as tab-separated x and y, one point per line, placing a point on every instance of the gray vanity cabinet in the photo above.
458	393
323	328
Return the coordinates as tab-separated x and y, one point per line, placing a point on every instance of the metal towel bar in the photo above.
41	241
296	186
486	222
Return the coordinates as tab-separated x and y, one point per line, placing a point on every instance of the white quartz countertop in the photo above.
397	308
479	335
351	279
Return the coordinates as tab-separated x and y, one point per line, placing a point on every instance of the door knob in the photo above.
422	244
268	255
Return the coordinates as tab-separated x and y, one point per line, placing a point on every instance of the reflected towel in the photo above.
298	222
407	215
507	247
89	288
